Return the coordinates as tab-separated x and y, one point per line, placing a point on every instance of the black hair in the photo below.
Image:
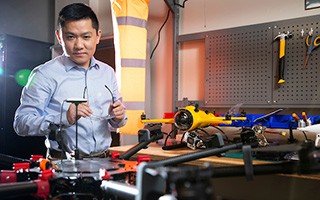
77	11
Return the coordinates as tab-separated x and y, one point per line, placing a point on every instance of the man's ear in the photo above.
98	36
58	36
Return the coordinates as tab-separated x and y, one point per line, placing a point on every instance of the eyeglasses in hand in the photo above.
96	117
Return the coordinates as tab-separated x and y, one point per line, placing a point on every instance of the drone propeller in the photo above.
269	114
234	110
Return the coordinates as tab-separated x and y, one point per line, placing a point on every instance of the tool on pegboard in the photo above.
282	37
301	33
312	43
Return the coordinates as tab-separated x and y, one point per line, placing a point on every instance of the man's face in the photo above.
79	39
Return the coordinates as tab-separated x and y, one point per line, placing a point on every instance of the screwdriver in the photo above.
301	123
304	117
295	117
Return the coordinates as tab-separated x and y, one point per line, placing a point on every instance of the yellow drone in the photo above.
190	118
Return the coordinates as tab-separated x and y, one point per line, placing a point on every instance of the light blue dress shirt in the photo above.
60	79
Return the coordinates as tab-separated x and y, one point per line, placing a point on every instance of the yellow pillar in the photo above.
130	41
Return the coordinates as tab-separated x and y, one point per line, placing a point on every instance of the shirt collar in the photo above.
69	64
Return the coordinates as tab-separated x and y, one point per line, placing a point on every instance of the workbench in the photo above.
274	186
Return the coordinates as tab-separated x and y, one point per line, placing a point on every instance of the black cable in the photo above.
201	129
225	135
204	131
164	133
305	135
165	141
159	33
218	129
182	6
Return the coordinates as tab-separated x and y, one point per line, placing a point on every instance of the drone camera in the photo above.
183	119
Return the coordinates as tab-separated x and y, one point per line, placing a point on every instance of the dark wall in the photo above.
17	54
33	23
33	19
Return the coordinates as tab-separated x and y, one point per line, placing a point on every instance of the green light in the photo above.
1	71
22	76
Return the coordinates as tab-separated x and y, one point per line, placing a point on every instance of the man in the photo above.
45	100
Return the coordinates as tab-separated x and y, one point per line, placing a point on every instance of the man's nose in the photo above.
78	43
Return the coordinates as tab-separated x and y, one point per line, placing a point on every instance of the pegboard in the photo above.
242	66
238	66
302	86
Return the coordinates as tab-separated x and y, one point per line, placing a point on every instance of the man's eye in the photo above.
87	37
70	37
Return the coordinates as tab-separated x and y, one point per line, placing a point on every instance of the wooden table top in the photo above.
156	152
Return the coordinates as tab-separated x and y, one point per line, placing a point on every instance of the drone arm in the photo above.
10	160
126	155
39	188
119	189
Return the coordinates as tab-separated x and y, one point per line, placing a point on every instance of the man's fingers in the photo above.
85	110
118	111
74	113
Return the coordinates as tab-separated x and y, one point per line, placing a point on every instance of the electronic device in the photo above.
76	100
195	141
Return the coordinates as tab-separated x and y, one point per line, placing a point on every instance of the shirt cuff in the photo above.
115	124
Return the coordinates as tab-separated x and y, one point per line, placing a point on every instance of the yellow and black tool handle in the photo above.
282	61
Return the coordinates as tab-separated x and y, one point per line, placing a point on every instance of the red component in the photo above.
23	166
115	155
168	115
46	174
43	188
106	176
143	159
8	176
35	157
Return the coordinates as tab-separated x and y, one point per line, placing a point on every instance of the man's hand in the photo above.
118	110
83	111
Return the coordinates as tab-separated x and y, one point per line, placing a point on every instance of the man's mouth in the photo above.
79	54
